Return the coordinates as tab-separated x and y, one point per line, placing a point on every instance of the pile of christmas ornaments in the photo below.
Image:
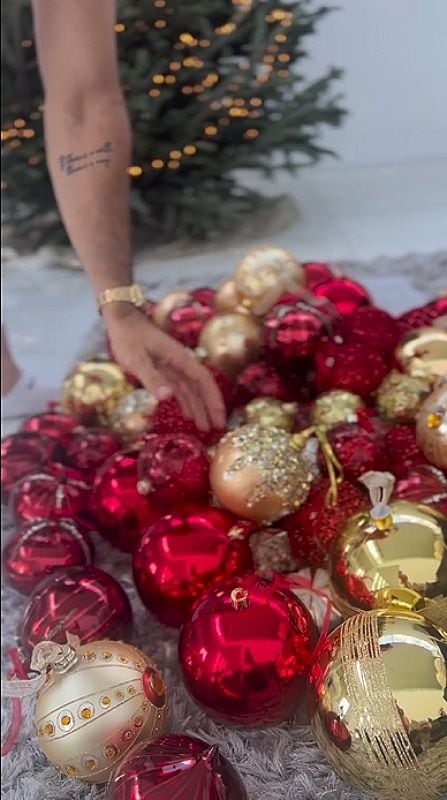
324	500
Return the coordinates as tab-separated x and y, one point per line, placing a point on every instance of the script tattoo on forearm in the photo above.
71	163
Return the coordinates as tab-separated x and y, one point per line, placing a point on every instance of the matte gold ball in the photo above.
378	705
93	389
423	352
258	474
133	414
230	342
90	715
399	567
271	413
337	406
167	304
431	426
399	397
264	275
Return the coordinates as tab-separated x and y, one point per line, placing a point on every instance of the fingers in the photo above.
190	401
152	379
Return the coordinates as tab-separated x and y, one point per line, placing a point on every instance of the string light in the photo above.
188	39
160	23
134	171
233	87
284	57
158	79
204	42
173	164
119	27
187	90
251	133
268	59
238	112
19	123
160	3
27	43
28	133
280	38
14	144
211	130
157	163
190	150
4	185
34	160
170	79
283	73
215	105
175	154
239	101
174	66
256	102
154	93
193	61
198	89
226	29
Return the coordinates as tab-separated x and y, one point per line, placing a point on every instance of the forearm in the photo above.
88	150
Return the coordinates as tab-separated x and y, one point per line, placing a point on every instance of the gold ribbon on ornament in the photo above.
333	466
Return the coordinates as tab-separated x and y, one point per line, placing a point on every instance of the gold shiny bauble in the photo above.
226	299
271	413
259	474
378	705
399	397
90	714
431	426
93	389
162	310
133	414
264	275
393	568
334	407
230	342
423	352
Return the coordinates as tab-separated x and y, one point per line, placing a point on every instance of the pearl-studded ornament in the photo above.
97	702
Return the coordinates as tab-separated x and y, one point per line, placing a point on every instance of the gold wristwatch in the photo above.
122	294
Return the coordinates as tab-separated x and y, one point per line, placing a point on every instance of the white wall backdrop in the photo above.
395	56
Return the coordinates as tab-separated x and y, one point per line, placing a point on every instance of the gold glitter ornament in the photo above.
271	413
264	275
399	397
378	705
431	426
98	700
259	474
230	342
166	305
93	389
423	352
336	406
133	414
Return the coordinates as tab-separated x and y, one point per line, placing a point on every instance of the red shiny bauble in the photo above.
44	496
120	512
168	418
261	380
402	450
245	651
358	450
346	295
55	426
424	484
314	526
224	385
293	331
423	316
371	327
22	453
354	367
42	547
175	767
185	553
316	274
87	450
173	468
83	601
185	322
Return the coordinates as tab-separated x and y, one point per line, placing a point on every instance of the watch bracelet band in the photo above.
122	294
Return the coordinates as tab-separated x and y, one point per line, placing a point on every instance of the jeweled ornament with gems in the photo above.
399	397
336	406
271	413
93	389
97	702
264	275
378	705
259	474
431	426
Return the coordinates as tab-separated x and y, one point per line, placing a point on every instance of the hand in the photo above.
163	365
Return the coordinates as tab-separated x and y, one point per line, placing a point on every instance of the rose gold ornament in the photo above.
271	413
423	352
162	310
264	275
230	342
431	426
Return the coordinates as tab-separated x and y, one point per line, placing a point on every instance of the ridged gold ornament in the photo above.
336	406
259	474
378	705
423	352
96	703
271	413
399	396
264	275
93	389
230	342
431	426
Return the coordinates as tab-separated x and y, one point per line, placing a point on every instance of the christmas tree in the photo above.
212	86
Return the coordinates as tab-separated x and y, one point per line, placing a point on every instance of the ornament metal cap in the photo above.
380	486
239	598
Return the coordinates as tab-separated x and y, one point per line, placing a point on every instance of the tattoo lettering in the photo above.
71	163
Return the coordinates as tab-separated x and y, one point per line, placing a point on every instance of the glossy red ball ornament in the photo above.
173	468
173	767
316	273
358	450
345	294
21	454
42	547
44	496
402	450
423	316
354	367
372	327
224	385
424	484
168	418
293	330
261	380
120	512
87	450
185	322
83	601
183	554
314	526
55	426
245	652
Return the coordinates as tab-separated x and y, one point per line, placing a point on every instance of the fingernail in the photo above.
163	393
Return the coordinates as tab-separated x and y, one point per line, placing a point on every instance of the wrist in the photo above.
118	311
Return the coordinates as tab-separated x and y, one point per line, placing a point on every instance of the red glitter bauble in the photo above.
358	450
87	450
186	322
168	418
354	367
346	295
22	453
372	327
42	547
176	767
316	274
185	553
424	484
423	316
402	450
172	468
44	496
245	652
314	526
55	426
120	512
83	601
293	331
261	380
